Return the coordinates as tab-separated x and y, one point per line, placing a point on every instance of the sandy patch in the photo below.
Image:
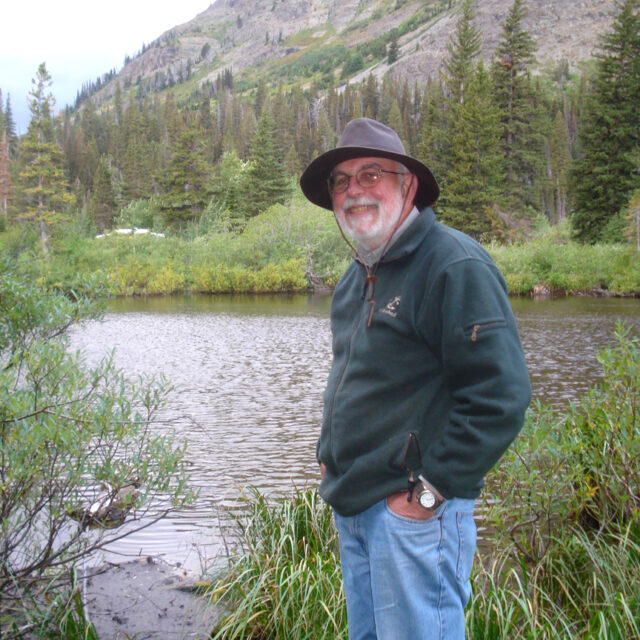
145	599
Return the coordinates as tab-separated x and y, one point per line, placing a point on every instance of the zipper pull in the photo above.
474	333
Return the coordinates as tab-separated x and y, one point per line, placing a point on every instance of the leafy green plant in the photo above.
78	454
562	510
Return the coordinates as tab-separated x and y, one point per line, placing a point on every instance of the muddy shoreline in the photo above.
146	599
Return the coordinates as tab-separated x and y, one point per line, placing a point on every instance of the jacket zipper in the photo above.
476	328
354	327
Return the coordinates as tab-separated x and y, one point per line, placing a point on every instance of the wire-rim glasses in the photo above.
367	178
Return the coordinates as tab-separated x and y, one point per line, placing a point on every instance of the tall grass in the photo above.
284	581
560	547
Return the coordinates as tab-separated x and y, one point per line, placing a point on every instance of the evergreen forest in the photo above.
214	174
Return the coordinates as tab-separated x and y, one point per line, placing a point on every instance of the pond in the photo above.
249	373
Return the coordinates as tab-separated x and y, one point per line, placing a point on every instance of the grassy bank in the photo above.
277	248
561	535
550	261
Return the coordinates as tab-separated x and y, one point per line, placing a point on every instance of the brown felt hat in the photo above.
362	138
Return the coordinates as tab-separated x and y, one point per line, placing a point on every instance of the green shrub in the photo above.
562	510
69	433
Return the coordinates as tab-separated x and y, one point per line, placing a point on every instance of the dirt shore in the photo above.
145	599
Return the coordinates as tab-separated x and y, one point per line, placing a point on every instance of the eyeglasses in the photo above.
367	178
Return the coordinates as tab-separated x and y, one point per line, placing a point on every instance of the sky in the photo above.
79	40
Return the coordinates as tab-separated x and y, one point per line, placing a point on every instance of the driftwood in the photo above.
316	283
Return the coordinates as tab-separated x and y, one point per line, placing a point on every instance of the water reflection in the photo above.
249	373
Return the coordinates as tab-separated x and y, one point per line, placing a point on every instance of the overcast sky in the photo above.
79	40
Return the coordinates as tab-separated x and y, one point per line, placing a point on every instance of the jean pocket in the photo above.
435	515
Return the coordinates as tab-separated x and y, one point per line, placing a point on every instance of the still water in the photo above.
249	373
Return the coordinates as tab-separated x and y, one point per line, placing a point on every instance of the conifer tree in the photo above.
474	176
43	186
560	161
325	134
463	134
266	180
459	66
522	139
393	51
604	176
103	202
137	163
225	206
10	127
462	51
371	97
5	177
433	139
394	120
185	179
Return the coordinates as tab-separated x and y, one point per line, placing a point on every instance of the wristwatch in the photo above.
427	497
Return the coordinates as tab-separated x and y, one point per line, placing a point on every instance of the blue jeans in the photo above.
407	579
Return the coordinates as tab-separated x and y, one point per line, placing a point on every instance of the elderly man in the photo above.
428	388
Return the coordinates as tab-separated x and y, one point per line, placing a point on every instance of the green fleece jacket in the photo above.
442	359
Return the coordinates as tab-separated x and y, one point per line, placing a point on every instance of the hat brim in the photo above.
313	181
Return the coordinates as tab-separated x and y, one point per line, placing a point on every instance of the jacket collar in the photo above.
412	237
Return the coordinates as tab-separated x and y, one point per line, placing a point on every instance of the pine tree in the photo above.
103	202
473	180
5	177
462	50
463	134
225	205
560	161
604	176
395	119
433	139
137	162
371	97
266	180
393	51
10	128
522	138
185	179
43	186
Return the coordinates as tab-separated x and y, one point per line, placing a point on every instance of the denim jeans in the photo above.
407	579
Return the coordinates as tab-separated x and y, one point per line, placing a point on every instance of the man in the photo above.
427	389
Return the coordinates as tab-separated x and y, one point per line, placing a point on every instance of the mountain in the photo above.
296	40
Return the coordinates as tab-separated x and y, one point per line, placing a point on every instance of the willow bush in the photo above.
70	435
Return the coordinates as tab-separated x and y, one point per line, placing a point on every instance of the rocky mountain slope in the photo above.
243	35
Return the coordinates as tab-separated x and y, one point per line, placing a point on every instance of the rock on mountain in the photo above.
239	34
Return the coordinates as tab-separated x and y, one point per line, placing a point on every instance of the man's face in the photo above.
369	216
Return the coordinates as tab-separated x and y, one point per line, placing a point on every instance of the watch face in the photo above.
427	499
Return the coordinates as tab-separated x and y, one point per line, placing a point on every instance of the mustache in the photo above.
361	201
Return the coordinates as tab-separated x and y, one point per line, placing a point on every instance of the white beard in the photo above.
375	235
